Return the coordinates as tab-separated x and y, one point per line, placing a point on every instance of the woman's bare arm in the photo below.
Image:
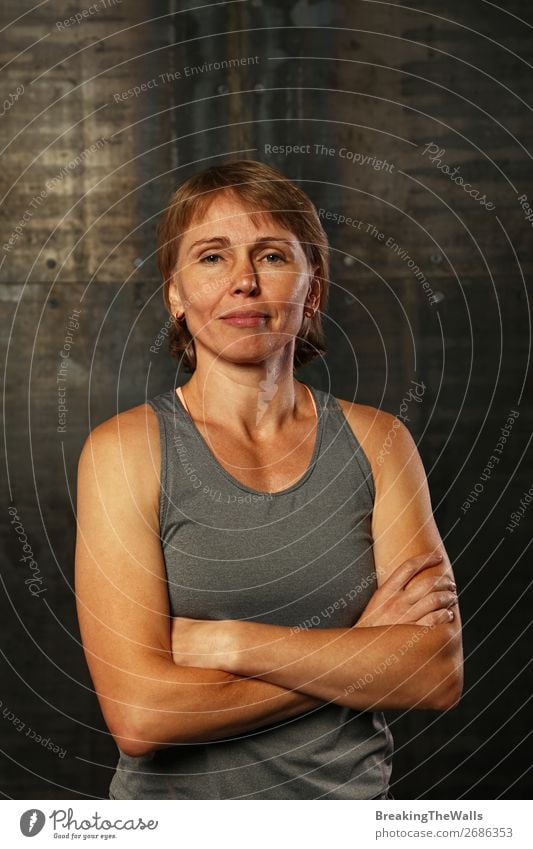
383	666
123	607
379	667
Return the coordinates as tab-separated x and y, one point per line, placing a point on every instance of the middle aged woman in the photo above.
257	576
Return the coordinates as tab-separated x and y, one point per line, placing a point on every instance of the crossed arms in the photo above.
162	681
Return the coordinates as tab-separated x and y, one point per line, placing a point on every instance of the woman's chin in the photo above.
252	350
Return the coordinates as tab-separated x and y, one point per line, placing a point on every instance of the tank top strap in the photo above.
338	431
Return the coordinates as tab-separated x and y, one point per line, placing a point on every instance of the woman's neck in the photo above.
260	407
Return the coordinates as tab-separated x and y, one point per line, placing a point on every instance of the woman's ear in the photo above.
173	294
313	297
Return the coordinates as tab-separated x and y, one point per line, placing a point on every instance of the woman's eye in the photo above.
209	257
212	259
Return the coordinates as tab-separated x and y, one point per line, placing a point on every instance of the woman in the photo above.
256	577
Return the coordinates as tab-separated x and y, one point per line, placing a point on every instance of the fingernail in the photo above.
453	586
450	614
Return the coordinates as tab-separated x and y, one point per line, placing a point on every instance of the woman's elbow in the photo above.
131	739
448	688
129	729
132	747
447	668
143	737
449	693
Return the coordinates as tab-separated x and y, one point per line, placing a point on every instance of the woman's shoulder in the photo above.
129	439
372	421
375	429
131	424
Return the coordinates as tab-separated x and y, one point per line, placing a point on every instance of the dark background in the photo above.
373	77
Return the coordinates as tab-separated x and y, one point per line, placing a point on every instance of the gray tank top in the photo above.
299	557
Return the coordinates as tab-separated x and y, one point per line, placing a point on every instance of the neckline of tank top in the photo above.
320	414
179	392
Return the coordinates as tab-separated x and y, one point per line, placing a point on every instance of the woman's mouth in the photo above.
246	319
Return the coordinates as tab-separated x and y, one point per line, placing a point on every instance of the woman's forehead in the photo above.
229	213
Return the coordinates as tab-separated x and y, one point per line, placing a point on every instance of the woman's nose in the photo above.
244	277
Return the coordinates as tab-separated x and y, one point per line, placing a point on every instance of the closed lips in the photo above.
244	315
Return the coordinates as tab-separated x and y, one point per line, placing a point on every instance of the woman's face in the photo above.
229	264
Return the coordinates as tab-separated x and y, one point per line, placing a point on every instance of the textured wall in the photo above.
429	284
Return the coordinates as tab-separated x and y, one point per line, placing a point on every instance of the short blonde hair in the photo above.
261	189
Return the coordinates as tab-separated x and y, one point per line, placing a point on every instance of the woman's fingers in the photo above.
426	601
425	586
409	568
437	617
441	600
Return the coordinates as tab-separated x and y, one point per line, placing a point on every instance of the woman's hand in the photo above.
428	601
203	643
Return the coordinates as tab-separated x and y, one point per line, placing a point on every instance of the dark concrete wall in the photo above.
448	307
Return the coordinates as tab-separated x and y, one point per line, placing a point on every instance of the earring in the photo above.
309	312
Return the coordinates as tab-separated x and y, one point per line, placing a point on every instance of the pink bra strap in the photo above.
312	399
180	393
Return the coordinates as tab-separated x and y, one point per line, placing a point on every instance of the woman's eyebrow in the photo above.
226	242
